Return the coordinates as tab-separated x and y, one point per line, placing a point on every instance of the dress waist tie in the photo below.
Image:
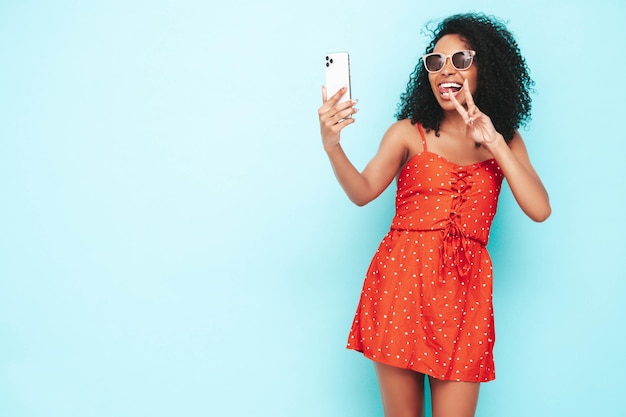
456	250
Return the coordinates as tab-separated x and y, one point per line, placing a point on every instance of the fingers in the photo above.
458	106
335	98
472	109
471	113
468	96
328	105
342	113
333	119
341	123
331	108
334	116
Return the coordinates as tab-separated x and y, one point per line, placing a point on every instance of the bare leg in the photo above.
402	391
453	399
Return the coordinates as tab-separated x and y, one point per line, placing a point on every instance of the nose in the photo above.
448	68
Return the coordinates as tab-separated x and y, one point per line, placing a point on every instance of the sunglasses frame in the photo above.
446	57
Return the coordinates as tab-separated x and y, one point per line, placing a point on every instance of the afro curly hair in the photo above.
503	76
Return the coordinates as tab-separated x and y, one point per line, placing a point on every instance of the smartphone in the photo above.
338	74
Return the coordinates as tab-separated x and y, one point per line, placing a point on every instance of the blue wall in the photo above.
173	242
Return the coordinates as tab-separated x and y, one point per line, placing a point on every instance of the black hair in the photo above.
504	82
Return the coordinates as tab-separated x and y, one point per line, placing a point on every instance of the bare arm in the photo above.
360	187
513	159
525	184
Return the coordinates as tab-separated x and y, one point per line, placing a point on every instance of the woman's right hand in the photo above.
334	116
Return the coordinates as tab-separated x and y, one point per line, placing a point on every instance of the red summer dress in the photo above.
426	300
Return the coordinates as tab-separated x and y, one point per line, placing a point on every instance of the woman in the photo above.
425	308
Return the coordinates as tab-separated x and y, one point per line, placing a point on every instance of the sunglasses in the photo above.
460	60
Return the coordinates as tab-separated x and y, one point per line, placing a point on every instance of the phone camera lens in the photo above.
327	58
327	64
331	61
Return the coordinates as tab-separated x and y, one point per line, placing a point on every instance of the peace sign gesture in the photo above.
479	125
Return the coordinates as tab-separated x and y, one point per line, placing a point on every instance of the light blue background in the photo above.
173	241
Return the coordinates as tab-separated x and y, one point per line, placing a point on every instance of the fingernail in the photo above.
354	101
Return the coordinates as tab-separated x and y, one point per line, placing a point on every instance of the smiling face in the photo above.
450	80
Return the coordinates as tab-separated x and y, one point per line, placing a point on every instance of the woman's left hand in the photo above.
479	125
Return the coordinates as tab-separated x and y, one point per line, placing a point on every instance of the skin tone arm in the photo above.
363	187
360	187
525	184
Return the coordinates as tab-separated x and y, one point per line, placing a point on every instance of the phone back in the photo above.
338	74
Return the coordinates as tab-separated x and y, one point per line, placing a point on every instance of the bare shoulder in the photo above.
402	133
397	145
402	127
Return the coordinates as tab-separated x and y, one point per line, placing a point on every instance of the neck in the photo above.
453	123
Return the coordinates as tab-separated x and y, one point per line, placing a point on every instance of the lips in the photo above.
449	87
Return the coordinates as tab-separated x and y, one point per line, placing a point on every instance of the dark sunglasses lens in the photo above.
434	62
462	60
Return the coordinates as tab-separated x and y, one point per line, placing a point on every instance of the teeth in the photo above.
451	85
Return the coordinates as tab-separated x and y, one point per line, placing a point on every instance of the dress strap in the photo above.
419	127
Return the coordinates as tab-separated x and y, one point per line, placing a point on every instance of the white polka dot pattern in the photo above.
426	301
